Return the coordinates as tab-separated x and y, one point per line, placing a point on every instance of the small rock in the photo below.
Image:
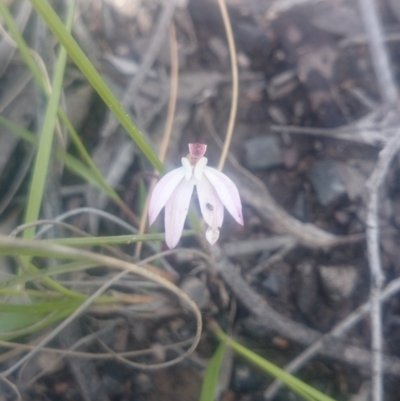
219	48
306	288
142	383
364	394
196	290
244	379
353	179
277	115
299	207
272	284
112	386
282	84
326	182
262	152
338	282
290	157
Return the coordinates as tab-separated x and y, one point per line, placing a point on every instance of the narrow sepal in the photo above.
211	206
227	192
176	210
163	191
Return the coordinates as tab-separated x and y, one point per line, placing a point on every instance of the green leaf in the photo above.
11	321
20	319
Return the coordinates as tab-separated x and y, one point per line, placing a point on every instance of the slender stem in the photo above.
379	56
235	83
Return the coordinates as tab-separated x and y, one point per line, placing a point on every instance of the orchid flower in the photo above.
214	189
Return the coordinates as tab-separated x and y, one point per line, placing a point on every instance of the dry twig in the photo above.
338	331
377	278
387	87
379	55
267	320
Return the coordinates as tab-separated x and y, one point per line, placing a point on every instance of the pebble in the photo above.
262	151
338	282
196	290
326	182
272	284
244	379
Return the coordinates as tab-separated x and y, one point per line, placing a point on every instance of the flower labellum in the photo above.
214	189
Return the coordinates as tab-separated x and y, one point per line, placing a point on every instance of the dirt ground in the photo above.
310	126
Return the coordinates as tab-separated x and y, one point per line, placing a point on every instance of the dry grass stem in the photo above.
235	83
71	253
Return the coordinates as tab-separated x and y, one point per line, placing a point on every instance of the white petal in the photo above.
176	210
227	192
211	206
187	167
212	235
199	168
163	191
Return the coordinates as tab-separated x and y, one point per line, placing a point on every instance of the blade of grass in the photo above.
113	240
36	72
32	276
78	56
71	162
210	382
292	382
11	246
41	323
43	153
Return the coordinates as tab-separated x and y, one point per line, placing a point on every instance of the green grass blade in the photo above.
210	382
23	48
51	271
23	133
80	169
298	386
71	162
113	240
39	308
31	64
43	153
78	56
37	324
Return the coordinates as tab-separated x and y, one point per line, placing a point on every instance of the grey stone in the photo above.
196	290
326	182
272	284
338	282
262	151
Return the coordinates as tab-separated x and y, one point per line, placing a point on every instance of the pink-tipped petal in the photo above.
227	192
211	206
163	191
176	210
212	235
197	150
